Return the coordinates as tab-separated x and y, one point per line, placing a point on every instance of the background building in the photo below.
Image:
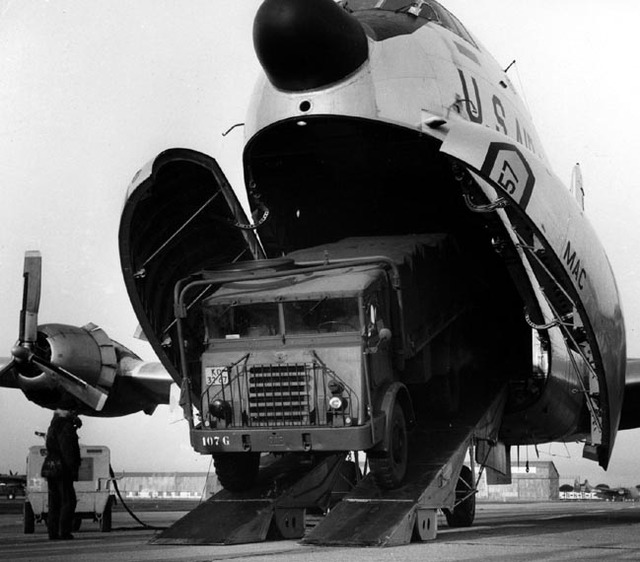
531	481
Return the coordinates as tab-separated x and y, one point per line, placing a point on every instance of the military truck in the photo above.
326	349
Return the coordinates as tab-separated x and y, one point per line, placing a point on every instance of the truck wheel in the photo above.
77	523
389	467
464	511
237	471
105	519
29	519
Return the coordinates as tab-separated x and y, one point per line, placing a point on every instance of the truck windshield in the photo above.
231	321
234	321
322	315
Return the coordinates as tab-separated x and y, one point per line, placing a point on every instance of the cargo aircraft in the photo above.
390	164
12	484
619	494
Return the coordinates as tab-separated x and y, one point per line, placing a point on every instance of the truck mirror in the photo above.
385	337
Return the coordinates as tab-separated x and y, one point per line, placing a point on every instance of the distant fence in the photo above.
579	496
167	485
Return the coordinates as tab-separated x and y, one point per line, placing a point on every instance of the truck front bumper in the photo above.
288	439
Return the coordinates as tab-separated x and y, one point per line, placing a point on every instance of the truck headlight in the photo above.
337	403
221	410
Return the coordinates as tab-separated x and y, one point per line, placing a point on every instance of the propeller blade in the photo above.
90	395
8	375
30	297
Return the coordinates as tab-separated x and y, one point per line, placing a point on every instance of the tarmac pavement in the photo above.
502	532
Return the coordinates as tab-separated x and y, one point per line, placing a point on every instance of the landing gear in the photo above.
237	471
105	518
29	519
464	510
389	465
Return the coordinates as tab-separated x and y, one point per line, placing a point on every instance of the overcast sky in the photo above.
91	91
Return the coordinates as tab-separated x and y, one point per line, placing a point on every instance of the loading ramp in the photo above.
275	507
371	516
367	515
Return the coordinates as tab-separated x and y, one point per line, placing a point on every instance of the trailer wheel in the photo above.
464	511
389	467
105	518
29	519
237	471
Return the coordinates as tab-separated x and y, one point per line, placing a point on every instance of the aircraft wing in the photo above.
143	384
13	479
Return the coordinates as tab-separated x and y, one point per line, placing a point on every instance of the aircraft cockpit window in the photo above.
448	20
429	10
399	6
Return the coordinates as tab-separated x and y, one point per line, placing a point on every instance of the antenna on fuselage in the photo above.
520	86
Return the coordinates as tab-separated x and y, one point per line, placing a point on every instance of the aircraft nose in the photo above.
307	45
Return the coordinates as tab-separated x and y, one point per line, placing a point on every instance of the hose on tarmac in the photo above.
131	513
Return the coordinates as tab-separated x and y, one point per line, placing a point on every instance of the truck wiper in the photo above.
313	308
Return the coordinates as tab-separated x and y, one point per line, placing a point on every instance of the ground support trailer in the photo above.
93	489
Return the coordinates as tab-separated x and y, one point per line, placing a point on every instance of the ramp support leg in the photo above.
290	522
426	526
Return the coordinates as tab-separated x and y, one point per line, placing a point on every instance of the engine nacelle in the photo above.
91	356
86	352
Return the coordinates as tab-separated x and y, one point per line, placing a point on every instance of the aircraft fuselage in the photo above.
382	120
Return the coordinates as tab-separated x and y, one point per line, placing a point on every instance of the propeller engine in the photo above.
62	366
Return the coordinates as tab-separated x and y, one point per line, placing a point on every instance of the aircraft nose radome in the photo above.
307	45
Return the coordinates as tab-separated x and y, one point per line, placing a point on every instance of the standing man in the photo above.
62	440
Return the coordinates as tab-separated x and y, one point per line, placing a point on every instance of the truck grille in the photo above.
275	395
279	394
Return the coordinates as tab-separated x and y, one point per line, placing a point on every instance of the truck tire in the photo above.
464	511
237	471
389	467
105	519
29	519
77	523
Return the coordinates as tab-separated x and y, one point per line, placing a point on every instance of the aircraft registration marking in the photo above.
505	165
574	265
504	121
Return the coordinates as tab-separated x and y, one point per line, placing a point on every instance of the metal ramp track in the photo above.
371	516
274	508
